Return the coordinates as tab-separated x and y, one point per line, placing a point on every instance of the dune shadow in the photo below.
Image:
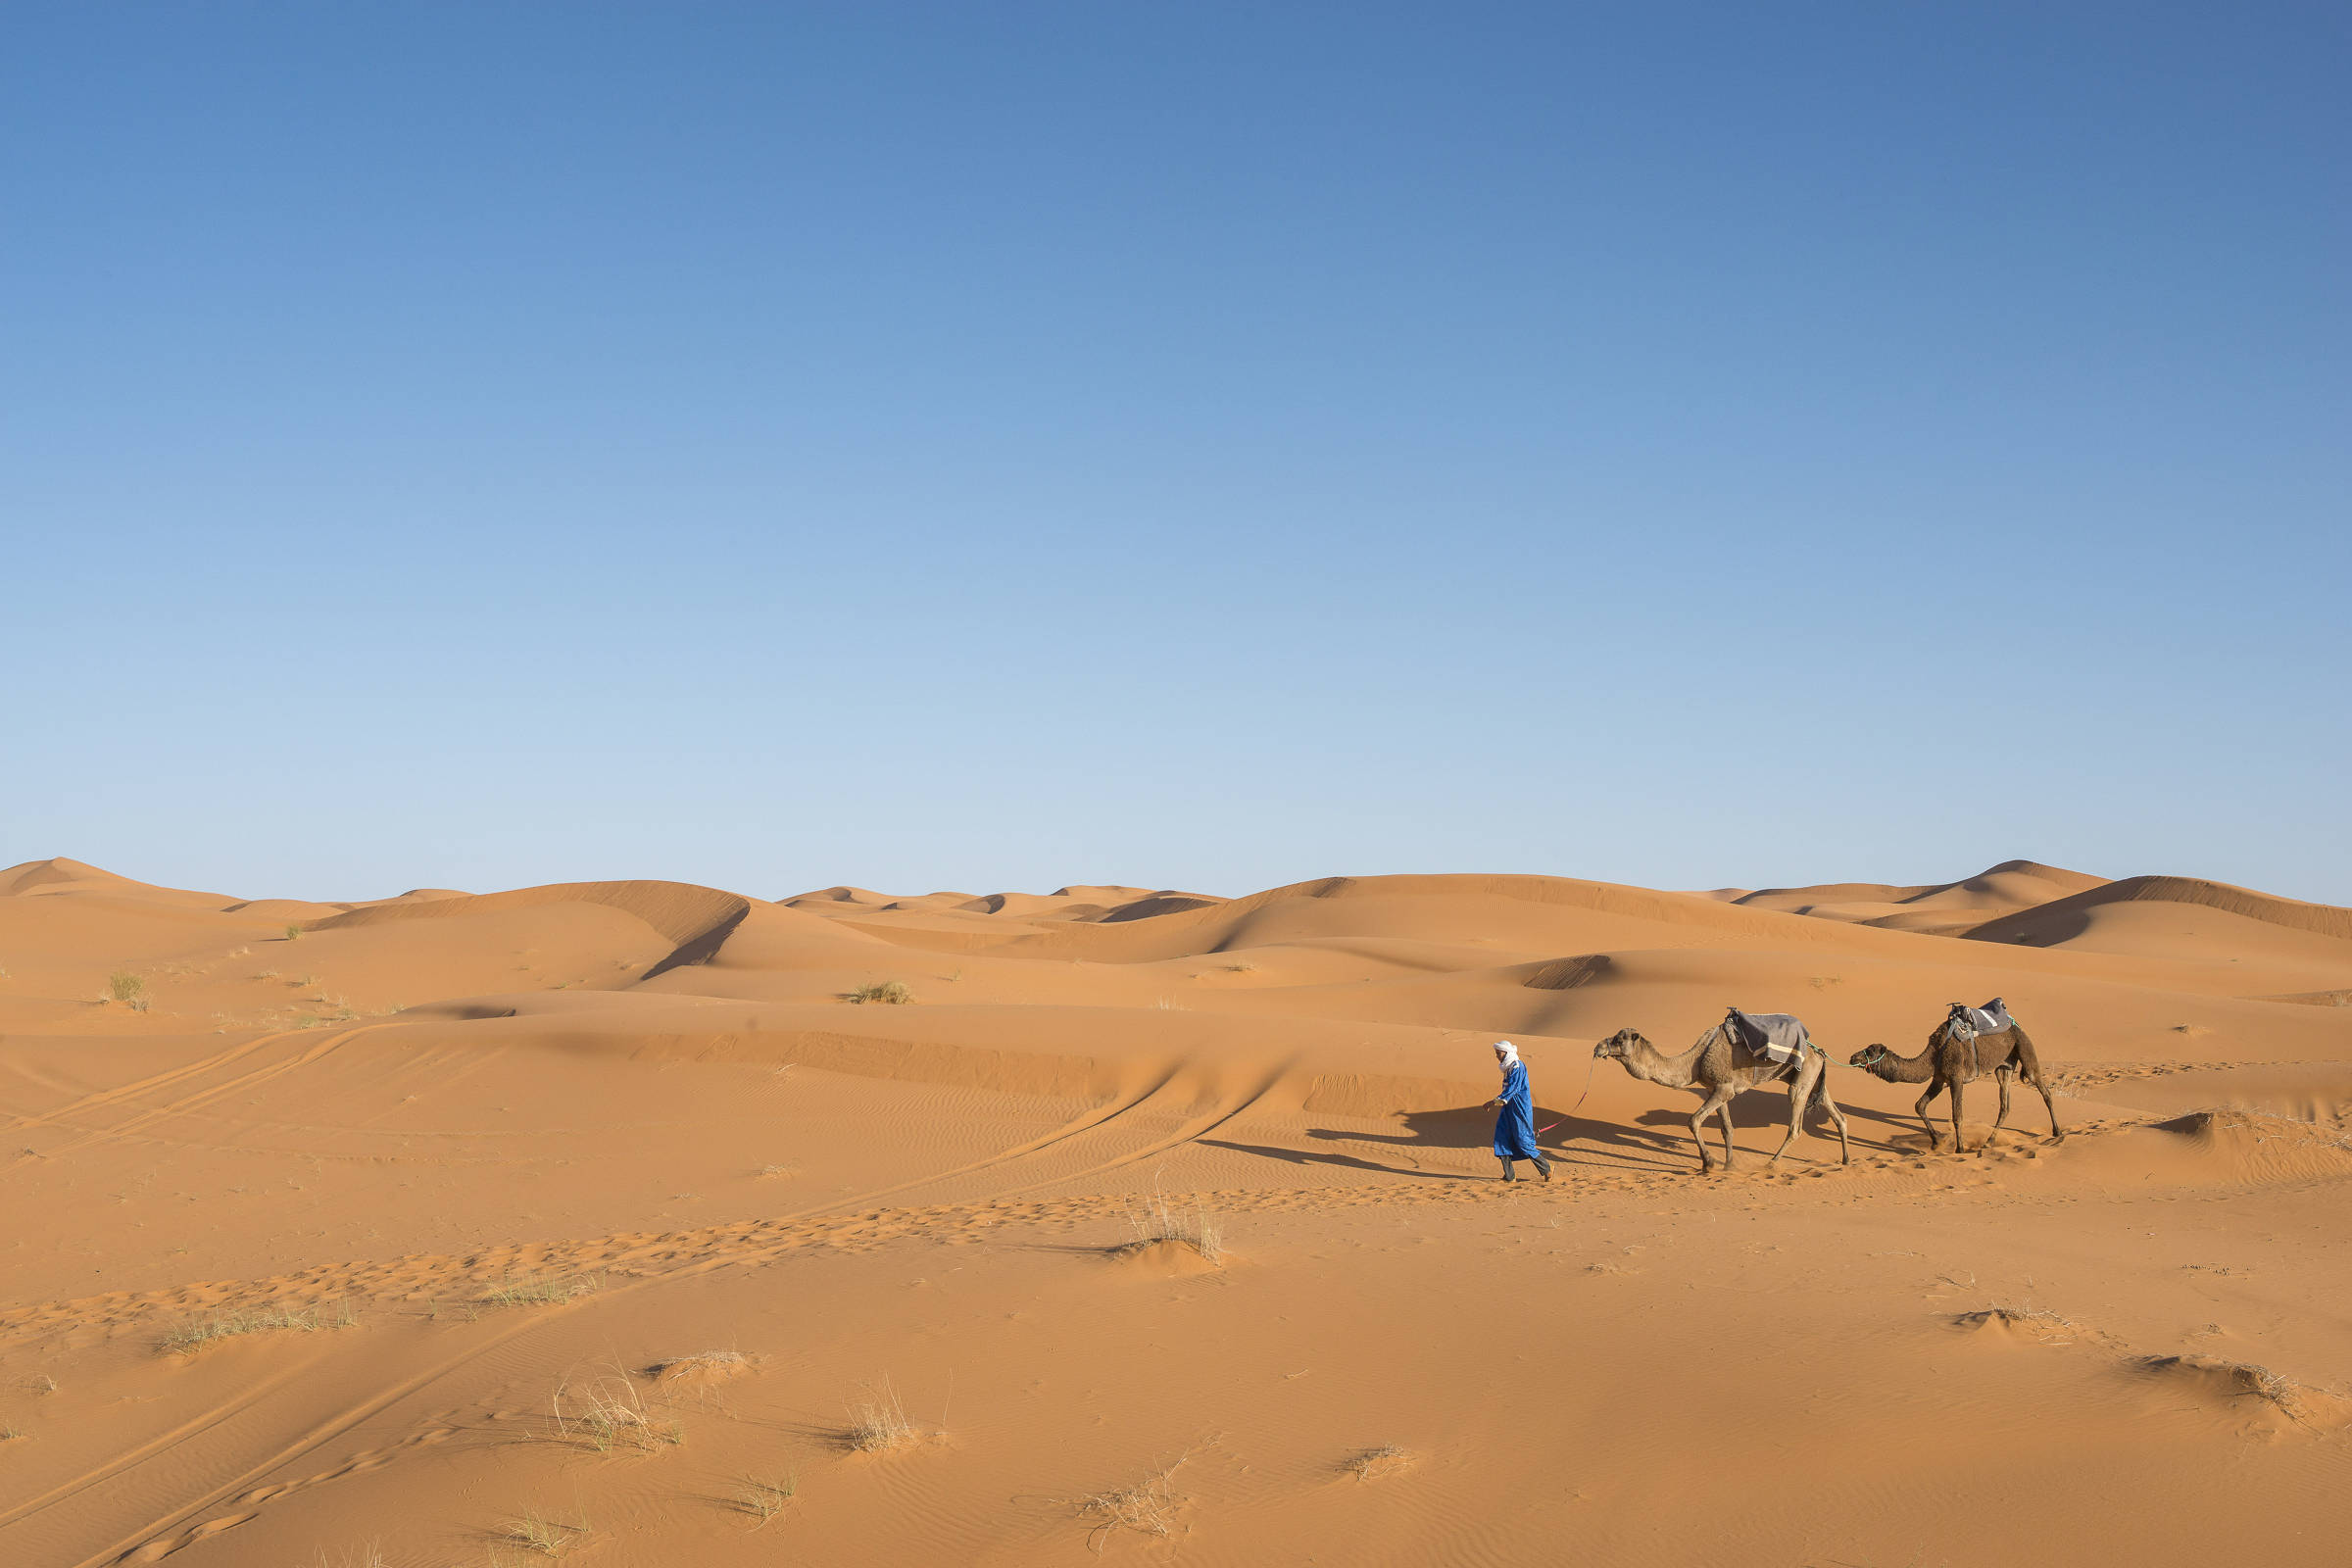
2033	928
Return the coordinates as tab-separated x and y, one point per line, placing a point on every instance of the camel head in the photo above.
1867	1057
1615	1048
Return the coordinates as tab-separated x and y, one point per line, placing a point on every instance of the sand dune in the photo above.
1937	908
2048	920
594	1212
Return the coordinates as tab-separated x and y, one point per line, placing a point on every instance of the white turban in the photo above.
1508	1053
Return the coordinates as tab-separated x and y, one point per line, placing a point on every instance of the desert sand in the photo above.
596	1222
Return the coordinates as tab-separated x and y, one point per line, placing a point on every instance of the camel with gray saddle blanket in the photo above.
1741	1052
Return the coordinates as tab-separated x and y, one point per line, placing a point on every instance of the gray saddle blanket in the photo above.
1778	1038
1989	1019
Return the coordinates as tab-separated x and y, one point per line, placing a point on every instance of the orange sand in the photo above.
397	1232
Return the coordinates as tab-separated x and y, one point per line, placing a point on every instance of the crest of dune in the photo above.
694	919
2062	919
59	876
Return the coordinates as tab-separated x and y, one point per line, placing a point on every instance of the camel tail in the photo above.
1821	1094
2028	1064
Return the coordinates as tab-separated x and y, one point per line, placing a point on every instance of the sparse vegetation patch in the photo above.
549	1290
763	1500
546	1536
607	1413
878	1423
1148	1507
889	993
1160	1218
1374	1463
195	1335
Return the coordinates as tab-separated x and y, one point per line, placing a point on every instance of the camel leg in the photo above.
1821	1094
1959	1138
2044	1084
1714	1102
1935	1138
1801	1094
1725	1112
2001	1076
1699	1136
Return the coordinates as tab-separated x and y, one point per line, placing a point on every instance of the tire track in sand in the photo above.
156	1538
1198	1127
746	1245
144	1119
162	1080
1091	1121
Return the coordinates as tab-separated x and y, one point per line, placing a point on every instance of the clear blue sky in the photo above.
991	446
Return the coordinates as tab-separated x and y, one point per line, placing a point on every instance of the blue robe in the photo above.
1515	1123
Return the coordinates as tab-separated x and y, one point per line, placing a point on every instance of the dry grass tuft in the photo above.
191	1337
1159	1218
878	1423
546	1536
1148	1507
703	1375
764	1499
701	1366
552	1289
1374	1463
123	986
889	993
607	1413
372	1556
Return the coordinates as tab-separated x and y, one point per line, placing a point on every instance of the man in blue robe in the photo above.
1515	1123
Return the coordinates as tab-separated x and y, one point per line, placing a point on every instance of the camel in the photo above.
1954	1056
1716	1069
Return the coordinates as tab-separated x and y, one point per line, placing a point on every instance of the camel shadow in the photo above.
1566	1139
1752	1112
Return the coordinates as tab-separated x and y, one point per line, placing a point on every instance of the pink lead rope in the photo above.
1580	1100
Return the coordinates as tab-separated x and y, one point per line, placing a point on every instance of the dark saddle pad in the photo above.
1778	1038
